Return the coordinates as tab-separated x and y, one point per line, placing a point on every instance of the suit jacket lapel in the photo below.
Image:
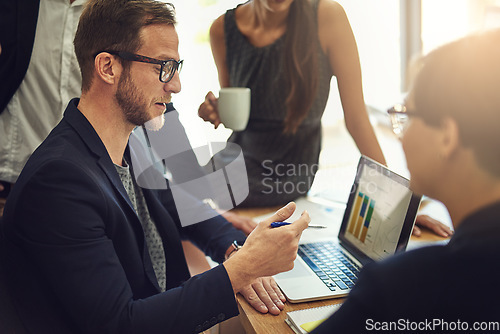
88	135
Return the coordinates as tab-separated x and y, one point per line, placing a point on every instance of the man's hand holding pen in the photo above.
266	252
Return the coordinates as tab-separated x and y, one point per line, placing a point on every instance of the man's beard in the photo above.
156	123
134	106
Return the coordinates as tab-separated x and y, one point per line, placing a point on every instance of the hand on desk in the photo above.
432	224
264	295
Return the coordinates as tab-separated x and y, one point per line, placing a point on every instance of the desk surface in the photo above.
258	323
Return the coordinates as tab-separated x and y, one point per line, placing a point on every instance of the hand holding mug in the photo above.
232	108
208	110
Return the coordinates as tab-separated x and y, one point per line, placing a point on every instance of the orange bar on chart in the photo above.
355	213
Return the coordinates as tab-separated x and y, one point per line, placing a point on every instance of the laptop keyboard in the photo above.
330	263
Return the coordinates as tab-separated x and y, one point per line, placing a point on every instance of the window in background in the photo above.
446	20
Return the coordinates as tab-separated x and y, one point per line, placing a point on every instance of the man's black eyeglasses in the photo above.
168	67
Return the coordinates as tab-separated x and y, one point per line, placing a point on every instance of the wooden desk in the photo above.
255	322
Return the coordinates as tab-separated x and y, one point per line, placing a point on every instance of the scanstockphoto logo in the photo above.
290	178
164	159
297	178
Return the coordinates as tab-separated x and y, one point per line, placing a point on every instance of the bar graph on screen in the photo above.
360	220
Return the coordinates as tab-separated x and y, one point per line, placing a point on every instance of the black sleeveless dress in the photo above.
280	167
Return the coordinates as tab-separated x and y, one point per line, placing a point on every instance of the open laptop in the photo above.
377	222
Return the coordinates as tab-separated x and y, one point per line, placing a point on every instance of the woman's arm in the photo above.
337	39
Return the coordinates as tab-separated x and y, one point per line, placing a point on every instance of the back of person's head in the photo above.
461	80
115	25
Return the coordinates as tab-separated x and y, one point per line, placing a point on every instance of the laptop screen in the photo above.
380	212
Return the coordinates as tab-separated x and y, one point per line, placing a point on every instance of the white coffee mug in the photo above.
234	107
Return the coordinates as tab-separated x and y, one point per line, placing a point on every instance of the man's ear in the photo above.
449	137
108	68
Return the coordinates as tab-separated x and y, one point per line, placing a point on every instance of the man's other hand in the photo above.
264	295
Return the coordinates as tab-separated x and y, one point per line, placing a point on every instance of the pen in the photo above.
278	224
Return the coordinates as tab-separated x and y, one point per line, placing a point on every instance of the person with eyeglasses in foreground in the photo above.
449	132
86	249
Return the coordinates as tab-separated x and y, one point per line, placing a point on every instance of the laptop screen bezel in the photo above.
410	217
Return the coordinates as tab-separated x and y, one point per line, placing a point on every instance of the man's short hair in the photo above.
115	25
461	80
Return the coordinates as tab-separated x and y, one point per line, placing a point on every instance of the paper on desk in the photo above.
304	321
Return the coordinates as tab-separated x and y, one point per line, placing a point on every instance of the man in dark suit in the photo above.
90	251
449	129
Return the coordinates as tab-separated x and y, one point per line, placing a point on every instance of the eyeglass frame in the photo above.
399	127
177	64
